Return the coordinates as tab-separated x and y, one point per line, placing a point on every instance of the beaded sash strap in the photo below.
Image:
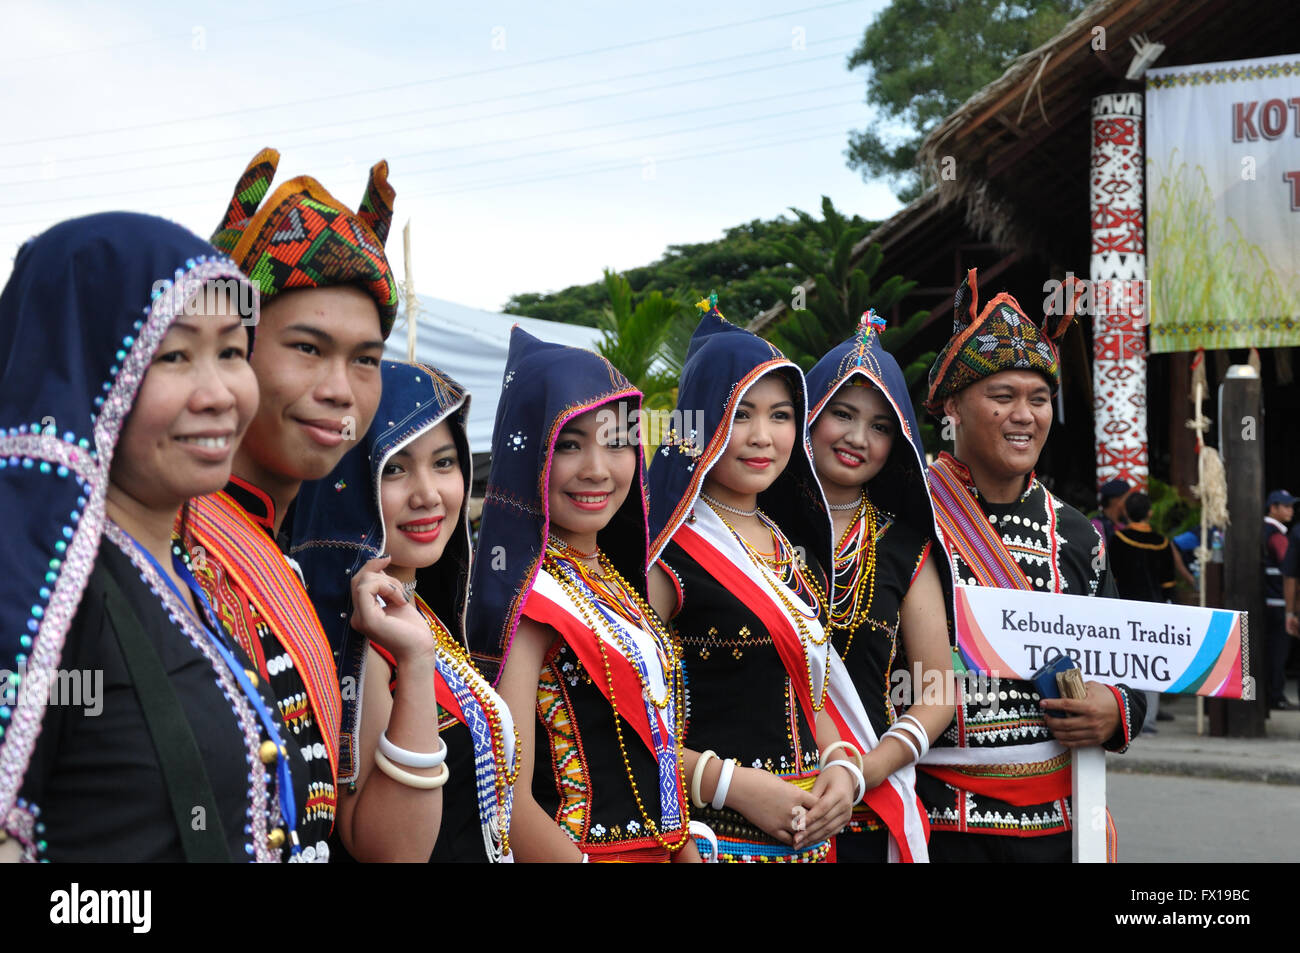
638	653
711	544
465	701
264	576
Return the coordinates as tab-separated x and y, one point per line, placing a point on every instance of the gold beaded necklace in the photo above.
671	658
857	567
624	600
786	597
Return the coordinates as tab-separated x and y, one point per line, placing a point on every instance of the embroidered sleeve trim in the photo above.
1123	736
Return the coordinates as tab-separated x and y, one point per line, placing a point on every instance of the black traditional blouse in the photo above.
741	702
581	768
95	773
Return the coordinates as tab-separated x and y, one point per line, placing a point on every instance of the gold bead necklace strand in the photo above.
785	596
639	613
866	520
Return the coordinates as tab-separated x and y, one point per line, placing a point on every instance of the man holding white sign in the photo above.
997	784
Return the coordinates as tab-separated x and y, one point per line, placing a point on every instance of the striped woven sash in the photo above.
262	574
968	532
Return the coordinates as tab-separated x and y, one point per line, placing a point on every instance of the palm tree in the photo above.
633	338
842	292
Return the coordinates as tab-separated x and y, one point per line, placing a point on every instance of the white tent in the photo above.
471	346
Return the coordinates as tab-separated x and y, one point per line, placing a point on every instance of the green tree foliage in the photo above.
842	291
924	58
637	338
1170	513
743	267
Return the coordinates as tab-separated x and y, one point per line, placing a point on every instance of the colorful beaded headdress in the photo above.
545	386
81	318
303	237
723	362
337	525
1000	338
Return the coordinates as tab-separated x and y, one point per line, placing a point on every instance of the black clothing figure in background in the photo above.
1111	499
1142	560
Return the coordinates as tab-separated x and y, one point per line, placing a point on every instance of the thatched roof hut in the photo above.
1008	177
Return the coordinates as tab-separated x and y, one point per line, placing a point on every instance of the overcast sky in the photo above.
529	144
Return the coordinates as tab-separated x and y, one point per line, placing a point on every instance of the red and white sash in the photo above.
549	604
711	544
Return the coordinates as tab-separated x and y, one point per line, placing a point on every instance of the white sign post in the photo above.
1088	795
1148	646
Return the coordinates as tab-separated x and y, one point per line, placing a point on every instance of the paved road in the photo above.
1168	819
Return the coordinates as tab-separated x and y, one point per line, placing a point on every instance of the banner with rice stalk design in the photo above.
1223	204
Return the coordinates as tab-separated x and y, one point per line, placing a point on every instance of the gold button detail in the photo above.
252	676
268	752
275	839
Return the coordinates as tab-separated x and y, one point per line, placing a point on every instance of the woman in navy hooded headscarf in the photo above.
869	459
743	530
558	613
124	341
412	700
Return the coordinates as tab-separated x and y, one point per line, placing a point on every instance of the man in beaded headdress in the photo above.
993	386
328	302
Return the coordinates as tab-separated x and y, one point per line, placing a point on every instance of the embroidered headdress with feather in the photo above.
999	338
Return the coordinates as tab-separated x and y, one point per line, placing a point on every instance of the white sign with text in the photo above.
1152	646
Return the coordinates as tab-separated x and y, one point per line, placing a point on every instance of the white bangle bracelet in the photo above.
924	735
724	784
902	736
412	759
846	746
697	775
858	779
411	780
918	735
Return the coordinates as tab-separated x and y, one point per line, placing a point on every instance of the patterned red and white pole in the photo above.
1118	269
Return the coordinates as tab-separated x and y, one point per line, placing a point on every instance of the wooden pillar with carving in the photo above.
1117	298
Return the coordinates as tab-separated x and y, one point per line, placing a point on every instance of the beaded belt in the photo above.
731	851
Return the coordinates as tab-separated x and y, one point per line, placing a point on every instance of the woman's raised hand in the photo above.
381	611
